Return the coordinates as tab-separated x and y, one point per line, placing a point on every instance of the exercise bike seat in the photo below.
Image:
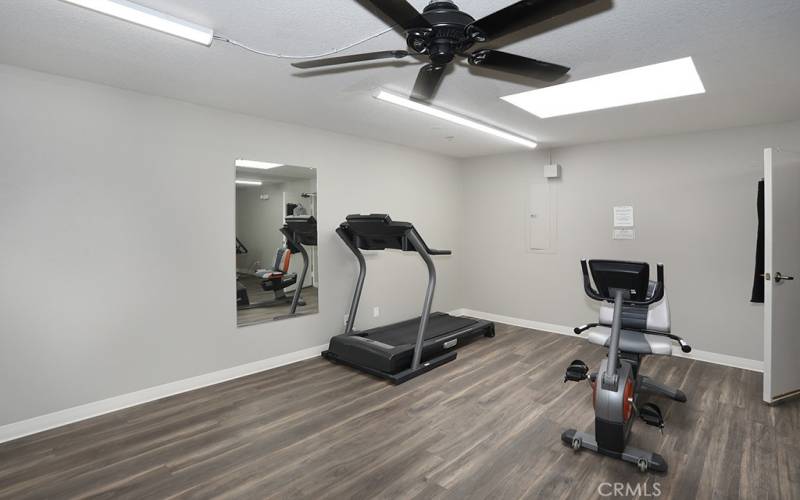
654	317
632	342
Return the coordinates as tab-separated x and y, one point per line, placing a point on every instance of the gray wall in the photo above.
117	217
694	199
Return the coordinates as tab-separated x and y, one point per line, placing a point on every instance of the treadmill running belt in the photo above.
405	333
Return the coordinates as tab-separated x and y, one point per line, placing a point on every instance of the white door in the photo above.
781	267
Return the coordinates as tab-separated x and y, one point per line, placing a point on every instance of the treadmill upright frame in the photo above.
414	238
362	274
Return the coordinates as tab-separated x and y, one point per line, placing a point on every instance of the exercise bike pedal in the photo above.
651	415
576	371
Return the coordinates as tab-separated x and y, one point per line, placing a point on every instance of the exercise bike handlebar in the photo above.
580	329
685	347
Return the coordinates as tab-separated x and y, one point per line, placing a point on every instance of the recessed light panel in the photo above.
649	83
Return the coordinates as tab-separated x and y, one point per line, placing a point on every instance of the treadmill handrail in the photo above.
362	272
433	251
425	247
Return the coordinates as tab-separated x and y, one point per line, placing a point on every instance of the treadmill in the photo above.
299	230
400	351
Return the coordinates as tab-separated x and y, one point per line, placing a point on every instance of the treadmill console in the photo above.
303	229
377	232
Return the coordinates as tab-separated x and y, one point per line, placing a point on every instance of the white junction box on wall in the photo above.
552	171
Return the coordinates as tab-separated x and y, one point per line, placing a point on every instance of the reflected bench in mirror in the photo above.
276	254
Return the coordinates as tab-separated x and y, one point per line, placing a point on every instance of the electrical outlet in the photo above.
376	311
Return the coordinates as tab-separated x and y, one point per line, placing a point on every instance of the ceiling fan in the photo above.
442	31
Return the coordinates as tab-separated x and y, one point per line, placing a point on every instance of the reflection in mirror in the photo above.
276	242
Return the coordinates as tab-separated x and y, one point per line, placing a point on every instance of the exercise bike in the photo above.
636	326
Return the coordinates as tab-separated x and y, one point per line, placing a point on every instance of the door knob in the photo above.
779	277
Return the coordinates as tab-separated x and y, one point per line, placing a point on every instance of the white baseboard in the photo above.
710	357
70	415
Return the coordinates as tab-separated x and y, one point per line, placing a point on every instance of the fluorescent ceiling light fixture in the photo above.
453	118
649	83
263	165
248	183
129	11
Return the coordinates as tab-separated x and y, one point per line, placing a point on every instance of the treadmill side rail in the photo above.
426	366
399	377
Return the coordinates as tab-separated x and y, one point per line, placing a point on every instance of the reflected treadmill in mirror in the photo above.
276	254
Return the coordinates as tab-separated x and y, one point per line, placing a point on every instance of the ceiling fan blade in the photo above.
521	14
427	83
401	12
518	65
369	56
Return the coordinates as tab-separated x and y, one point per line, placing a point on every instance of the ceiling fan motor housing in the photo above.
448	35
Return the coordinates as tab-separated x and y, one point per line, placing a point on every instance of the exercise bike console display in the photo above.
610	276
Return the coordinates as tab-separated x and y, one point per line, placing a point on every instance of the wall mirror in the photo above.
276	242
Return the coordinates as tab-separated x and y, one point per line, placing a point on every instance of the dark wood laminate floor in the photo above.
484	426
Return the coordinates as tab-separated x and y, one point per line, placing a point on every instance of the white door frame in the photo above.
767	271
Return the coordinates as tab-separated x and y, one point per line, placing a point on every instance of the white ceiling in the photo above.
745	50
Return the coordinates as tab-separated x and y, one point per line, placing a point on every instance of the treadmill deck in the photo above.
388	349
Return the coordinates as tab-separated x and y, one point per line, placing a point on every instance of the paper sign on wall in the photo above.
623	216
624	234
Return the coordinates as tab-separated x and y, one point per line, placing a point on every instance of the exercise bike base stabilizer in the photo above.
637	325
